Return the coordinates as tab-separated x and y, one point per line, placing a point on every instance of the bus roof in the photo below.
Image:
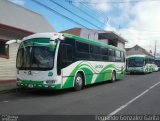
92	42
51	35
142	56
40	35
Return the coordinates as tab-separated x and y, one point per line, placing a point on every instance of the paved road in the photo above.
135	94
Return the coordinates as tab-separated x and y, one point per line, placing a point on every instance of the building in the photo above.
16	22
107	37
137	50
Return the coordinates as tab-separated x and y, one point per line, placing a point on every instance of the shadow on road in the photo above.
22	93
43	92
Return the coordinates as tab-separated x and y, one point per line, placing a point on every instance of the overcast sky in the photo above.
138	22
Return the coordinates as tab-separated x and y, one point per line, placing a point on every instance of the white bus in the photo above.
59	61
140	64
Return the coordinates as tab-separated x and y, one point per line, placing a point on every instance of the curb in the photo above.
7	81
8	91
7	86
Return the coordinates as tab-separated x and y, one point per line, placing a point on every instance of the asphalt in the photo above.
98	99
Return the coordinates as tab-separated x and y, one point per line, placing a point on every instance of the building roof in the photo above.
109	34
112	35
75	31
144	51
16	16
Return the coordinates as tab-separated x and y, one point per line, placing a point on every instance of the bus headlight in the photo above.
50	81
18	80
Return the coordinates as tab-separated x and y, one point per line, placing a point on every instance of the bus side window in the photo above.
82	51
104	54
95	53
118	56
82	47
122	57
111	55
65	57
66	53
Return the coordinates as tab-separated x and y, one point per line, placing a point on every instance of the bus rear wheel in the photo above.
113	79
78	82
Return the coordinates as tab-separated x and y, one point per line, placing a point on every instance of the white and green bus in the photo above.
140	64
59	61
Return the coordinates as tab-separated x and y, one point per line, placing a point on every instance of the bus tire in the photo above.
113	78
78	82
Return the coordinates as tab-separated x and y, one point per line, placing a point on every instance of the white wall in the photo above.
120	45
93	35
89	34
8	66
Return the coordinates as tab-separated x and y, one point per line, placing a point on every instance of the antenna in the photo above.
155	49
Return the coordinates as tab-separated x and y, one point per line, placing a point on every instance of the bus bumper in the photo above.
37	85
136	71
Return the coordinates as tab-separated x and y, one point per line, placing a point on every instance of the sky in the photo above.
138	21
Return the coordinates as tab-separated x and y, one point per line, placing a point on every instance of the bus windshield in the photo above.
135	62
35	57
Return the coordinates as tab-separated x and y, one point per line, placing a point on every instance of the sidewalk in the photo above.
7	85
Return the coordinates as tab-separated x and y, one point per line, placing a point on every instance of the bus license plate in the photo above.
30	85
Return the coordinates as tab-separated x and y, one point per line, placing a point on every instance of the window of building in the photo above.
4	50
102	36
113	42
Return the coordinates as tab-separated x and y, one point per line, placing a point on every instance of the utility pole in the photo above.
155	49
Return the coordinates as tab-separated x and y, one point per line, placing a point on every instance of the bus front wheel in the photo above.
78	83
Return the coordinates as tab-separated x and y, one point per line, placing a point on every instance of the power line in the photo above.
82	3
98	12
84	12
69	19
58	13
116	2
76	14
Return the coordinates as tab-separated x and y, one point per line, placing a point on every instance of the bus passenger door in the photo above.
65	59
